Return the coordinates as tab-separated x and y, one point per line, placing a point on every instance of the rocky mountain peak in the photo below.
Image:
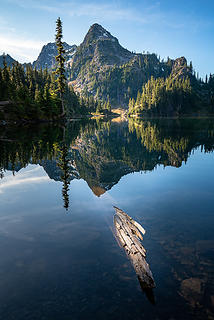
180	62
180	68
96	33
97	28
99	51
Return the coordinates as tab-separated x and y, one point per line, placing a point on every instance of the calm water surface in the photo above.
59	257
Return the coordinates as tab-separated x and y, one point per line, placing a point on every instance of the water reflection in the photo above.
107	155
72	262
101	152
63	164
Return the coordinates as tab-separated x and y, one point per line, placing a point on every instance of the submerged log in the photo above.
128	233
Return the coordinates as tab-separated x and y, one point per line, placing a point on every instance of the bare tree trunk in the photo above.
128	232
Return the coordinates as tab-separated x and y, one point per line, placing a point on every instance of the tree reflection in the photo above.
1	173
103	151
63	164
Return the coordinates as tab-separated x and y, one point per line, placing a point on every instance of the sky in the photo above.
166	27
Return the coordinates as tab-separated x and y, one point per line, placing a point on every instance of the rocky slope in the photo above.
100	49
9	60
46	58
180	69
103	68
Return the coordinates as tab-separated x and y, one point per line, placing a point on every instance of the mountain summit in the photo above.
97	32
103	68
100	48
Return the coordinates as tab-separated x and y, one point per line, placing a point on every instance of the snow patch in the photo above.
72	53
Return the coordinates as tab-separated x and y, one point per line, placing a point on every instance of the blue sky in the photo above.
168	28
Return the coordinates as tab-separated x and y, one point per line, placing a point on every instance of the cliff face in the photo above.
8	59
46	58
180	69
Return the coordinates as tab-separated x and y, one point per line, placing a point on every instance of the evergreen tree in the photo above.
60	60
163	97
33	94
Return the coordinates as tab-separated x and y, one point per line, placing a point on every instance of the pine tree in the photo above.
60	71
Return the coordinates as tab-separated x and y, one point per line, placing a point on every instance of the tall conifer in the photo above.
60	60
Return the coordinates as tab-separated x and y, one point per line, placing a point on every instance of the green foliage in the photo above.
116	82
38	94
60	60
29	92
162	97
33	95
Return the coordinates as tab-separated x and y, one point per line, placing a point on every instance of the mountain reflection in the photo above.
101	152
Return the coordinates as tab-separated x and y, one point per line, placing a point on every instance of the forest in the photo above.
169	88
174	96
27	93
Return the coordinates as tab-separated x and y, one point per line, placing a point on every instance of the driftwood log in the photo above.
129	233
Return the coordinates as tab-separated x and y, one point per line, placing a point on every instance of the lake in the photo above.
59	255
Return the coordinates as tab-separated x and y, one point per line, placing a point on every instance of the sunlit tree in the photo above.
60	60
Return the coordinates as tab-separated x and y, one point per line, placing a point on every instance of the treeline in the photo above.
33	93
173	96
